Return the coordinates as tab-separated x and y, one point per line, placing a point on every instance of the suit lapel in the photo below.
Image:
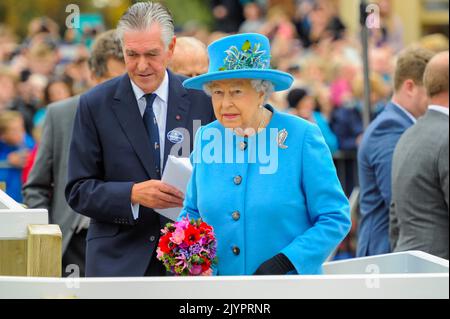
393	108
127	111
177	110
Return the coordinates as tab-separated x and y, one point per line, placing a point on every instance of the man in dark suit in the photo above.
124	131
377	147
48	177
419	210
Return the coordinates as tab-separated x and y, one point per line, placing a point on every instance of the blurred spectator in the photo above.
8	45
287	5
42	59
435	42
68	47
323	98
254	19
320	23
42	27
391	32
377	147
347	120
228	15
196	30
57	89
344	75
31	157
78	71
382	62
305	106
282	34
8	83
15	145
30	97
190	57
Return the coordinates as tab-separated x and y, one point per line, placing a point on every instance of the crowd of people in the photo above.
309	40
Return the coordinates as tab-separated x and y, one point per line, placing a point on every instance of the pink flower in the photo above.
196	270
183	224
160	254
182	261
165	231
177	236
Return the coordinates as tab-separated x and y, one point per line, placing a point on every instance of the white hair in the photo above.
141	15
259	85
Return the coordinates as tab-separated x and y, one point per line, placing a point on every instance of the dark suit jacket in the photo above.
110	151
48	177
419	211
374	168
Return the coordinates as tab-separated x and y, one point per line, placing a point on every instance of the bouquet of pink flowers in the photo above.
188	248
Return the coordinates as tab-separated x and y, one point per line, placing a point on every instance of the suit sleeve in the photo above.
443	171
327	206
38	190
87	192
381	159
393	227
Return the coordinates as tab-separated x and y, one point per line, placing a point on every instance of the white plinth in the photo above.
401	275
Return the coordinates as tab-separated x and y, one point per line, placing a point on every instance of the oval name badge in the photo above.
175	137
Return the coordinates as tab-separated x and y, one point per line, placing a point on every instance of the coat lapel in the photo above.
177	111
394	109
127	111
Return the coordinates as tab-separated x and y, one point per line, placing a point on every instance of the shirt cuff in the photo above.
135	210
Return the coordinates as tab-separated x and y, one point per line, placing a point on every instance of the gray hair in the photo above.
106	46
259	85
141	15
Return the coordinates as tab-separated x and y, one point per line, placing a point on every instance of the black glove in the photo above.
278	265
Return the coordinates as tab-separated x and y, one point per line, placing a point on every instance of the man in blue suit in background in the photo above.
377	147
123	133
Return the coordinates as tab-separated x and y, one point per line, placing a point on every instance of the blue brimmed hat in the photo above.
240	56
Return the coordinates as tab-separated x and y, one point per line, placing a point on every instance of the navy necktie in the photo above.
151	125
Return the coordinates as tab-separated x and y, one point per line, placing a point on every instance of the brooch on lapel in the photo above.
282	136
175	137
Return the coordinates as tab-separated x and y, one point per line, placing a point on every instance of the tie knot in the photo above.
150	98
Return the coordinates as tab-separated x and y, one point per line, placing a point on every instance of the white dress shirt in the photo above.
160	110
439	108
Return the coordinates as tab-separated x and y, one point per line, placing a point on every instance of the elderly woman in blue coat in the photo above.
265	180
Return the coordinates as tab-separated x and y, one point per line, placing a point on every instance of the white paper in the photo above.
177	173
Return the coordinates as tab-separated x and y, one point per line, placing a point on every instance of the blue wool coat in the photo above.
264	199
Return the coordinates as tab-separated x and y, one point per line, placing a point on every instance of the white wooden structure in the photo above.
400	275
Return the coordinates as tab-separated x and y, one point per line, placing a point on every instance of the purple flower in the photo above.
196	249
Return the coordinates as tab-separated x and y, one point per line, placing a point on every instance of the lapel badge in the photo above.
176	137
282	136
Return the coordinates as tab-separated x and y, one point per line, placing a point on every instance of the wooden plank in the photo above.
44	257
14	222
13	257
